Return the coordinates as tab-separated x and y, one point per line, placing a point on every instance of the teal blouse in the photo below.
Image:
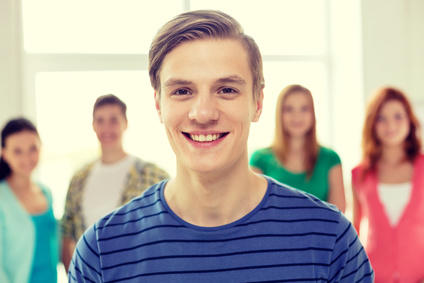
318	185
20	247
44	266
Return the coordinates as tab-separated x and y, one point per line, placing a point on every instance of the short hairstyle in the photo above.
110	99
202	24
371	146
13	126
280	143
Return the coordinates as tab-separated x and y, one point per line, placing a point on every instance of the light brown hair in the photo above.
281	137
202	24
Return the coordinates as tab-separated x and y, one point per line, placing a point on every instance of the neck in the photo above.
110	156
296	144
393	155
214	199
19	183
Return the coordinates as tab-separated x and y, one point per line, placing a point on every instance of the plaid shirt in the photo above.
141	176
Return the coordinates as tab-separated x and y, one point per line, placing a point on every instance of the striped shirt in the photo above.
290	236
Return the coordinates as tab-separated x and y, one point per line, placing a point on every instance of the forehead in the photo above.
206	59
22	138
108	109
297	97
392	106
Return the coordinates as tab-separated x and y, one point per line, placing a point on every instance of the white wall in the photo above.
393	45
10	58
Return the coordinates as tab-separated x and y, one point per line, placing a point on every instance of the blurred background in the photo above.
58	56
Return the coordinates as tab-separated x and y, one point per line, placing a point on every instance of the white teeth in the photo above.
205	138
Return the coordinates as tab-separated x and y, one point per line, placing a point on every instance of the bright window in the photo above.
94	26
280	27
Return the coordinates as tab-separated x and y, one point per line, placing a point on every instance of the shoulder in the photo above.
328	155
146	167
357	169
147	203
357	172
83	171
326	151
4	192
419	160
263	153
301	202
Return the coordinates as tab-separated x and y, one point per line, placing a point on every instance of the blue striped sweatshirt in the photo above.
290	236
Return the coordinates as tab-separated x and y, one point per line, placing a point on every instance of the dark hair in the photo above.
12	127
201	24
110	99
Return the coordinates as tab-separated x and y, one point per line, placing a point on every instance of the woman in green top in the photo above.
295	157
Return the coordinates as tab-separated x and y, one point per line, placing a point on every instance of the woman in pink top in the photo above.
388	189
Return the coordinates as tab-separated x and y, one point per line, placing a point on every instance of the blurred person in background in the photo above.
295	157
108	182
388	189
29	240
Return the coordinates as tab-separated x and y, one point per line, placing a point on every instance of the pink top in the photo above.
395	252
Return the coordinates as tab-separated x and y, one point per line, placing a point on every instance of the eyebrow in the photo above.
173	82
230	79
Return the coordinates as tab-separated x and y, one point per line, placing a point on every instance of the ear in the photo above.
157	104
258	107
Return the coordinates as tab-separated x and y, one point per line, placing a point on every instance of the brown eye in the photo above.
181	92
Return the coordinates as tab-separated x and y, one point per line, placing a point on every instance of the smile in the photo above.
205	138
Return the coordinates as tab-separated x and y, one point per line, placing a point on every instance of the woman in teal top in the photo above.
29	242
295	157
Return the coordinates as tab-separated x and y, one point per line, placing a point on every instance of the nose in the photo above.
204	109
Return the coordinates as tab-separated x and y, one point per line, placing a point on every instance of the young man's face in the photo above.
206	103
109	124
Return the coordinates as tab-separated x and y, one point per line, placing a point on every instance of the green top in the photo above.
265	160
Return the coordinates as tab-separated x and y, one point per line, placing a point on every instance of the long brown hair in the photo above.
371	146
281	137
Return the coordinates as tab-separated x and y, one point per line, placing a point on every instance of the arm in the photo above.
68	247
67	225
3	275
85	264
357	213
336	194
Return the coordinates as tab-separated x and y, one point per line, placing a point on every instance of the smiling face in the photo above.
109	124
206	104
297	114
392	125
21	152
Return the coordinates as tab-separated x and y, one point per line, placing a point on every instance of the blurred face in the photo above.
392	125
109	124
22	152
297	114
207	105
